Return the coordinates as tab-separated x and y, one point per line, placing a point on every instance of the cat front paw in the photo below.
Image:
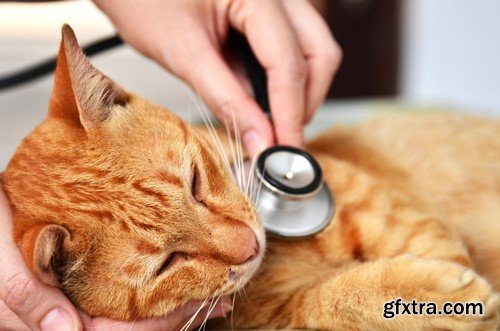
464	287
473	303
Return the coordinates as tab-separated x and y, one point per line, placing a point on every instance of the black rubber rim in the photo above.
280	186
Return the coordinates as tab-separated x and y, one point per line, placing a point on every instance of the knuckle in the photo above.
302	68
295	69
298	67
241	10
22	293
332	56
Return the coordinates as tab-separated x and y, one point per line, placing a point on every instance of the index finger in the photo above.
278	50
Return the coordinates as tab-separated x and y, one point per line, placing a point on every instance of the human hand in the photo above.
289	38
26	303
177	320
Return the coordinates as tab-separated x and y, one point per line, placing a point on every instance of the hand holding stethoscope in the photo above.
294	201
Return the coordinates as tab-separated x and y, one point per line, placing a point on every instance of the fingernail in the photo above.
57	319
253	143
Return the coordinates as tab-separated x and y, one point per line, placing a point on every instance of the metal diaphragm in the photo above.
293	201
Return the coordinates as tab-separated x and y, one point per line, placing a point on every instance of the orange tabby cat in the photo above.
132	214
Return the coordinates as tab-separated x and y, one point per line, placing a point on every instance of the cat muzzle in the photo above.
293	201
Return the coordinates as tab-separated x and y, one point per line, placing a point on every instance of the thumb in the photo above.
39	306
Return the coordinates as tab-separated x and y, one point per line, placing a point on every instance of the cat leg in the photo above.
358	298
409	233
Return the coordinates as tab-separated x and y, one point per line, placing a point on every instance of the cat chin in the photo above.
239	275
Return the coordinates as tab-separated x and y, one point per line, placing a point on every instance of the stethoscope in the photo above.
294	201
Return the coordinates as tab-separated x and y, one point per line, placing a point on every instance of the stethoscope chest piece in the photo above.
293	201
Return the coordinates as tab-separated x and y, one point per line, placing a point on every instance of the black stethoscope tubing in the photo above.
236	41
47	66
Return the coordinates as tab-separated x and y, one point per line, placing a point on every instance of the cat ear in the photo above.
81	95
44	249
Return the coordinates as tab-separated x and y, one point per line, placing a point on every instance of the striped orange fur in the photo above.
132	213
106	180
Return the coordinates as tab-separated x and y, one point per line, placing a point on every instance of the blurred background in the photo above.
399	55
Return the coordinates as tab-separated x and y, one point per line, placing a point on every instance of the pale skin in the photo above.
186	37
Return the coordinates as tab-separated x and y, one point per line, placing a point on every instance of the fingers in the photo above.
321	51
217	85
278	50
288	37
189	317
35	304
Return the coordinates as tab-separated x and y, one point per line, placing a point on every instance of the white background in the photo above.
451	53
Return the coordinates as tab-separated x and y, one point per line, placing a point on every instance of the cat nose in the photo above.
249	250
231	242
241	246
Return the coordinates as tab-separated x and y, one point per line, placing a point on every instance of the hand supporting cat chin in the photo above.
189	317
26	303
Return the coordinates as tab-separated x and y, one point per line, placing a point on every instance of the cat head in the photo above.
122	205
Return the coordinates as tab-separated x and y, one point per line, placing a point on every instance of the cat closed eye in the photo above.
195	185
168	262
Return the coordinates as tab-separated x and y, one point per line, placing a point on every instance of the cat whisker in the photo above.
232	310
243	296
212	306
254	185
216	138
245	293
208	123
231	146
239	149
191	320
257	193
202	325
239	294
234	149
251	177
